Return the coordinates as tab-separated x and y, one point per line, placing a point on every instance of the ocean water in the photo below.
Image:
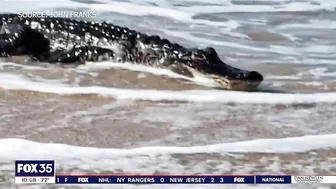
123	118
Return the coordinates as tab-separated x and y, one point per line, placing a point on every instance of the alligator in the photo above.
70	41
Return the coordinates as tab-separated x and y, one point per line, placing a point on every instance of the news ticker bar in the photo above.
177	179
44	171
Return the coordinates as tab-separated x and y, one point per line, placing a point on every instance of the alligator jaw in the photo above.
229	84
237	85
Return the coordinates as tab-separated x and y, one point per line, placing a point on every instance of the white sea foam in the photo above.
287	77
112	6
91	67
148	160
11	81
18	148
315	73
279	49
303	51
309	61
319	72
182	13
4	65
199	79
313	83
207	42
312	24
229	6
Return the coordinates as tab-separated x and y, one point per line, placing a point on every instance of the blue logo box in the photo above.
34	168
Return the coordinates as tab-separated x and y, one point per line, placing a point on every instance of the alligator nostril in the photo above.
254	76
211	54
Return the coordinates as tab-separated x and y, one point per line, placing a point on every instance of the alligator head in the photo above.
206	62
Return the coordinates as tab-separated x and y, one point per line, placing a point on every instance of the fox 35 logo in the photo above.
35	168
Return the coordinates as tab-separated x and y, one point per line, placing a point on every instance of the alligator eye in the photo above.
156	37
123	36
154	41
197	53
132	32
144	39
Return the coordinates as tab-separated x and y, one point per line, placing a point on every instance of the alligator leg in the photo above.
6	46
9	41
16	39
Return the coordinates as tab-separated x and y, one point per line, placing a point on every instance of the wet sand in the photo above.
90	120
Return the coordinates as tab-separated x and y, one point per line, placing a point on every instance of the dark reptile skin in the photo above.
72	40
